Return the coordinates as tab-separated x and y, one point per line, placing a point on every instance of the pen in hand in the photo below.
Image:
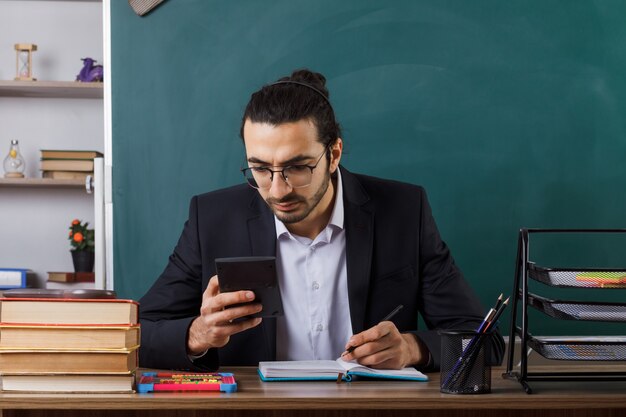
386	318
393	313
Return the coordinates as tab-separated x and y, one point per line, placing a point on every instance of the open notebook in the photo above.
329	370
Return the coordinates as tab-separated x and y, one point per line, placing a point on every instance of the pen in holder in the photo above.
465	365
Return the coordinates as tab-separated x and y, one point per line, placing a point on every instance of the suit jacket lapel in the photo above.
359	225
262	235
261	228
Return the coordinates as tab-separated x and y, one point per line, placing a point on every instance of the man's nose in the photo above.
279	187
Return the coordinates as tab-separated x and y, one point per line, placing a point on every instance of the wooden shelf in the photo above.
41	183
50	89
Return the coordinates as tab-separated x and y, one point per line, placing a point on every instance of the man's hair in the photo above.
302	95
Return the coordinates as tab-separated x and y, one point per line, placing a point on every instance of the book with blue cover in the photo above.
14	278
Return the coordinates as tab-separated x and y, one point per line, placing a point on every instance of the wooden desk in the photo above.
362	398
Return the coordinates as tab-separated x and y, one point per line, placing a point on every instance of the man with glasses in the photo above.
349	249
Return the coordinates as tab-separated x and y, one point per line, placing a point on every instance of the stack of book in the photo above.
68	345
70	280
67	165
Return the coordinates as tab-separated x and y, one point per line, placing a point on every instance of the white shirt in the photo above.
313	283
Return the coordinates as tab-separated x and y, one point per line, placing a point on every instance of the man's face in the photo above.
291	144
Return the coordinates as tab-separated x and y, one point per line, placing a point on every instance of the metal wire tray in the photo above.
610	348
579	310
586	278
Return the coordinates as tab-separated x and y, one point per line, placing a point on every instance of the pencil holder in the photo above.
465	365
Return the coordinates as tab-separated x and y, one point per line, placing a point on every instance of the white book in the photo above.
330	370
67	383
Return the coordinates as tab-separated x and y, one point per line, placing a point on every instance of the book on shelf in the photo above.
66	175
53	285
69	154
44	361
71	276
331	370
59	337
68	383
68	311
15	278
85	165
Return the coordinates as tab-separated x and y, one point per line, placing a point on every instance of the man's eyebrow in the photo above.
291	161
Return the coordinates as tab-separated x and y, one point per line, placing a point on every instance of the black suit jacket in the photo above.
394	256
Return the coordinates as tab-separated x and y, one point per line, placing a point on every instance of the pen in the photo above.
469	355
492	316
483	326
386	318
393	313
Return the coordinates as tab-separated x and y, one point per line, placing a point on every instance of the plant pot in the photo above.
83	261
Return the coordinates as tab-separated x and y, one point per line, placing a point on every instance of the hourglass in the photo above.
23	61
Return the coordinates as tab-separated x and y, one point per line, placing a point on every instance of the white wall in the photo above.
34	222
64	32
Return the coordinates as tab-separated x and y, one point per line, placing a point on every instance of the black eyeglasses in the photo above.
296	176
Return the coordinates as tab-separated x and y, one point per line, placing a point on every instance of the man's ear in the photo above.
335	155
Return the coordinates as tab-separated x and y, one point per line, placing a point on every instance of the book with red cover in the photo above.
71	276
68	311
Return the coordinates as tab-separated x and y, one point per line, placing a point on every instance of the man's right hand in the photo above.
214	326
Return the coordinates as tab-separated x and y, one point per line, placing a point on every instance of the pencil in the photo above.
496	316
386	318
498	302
472	348
469	357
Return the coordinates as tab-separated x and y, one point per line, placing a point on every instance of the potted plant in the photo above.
82	242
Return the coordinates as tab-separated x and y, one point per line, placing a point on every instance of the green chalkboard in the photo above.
511	114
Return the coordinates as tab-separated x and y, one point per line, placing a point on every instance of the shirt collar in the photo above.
336	218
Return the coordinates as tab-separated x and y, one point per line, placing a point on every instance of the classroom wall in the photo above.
511	114
34	222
